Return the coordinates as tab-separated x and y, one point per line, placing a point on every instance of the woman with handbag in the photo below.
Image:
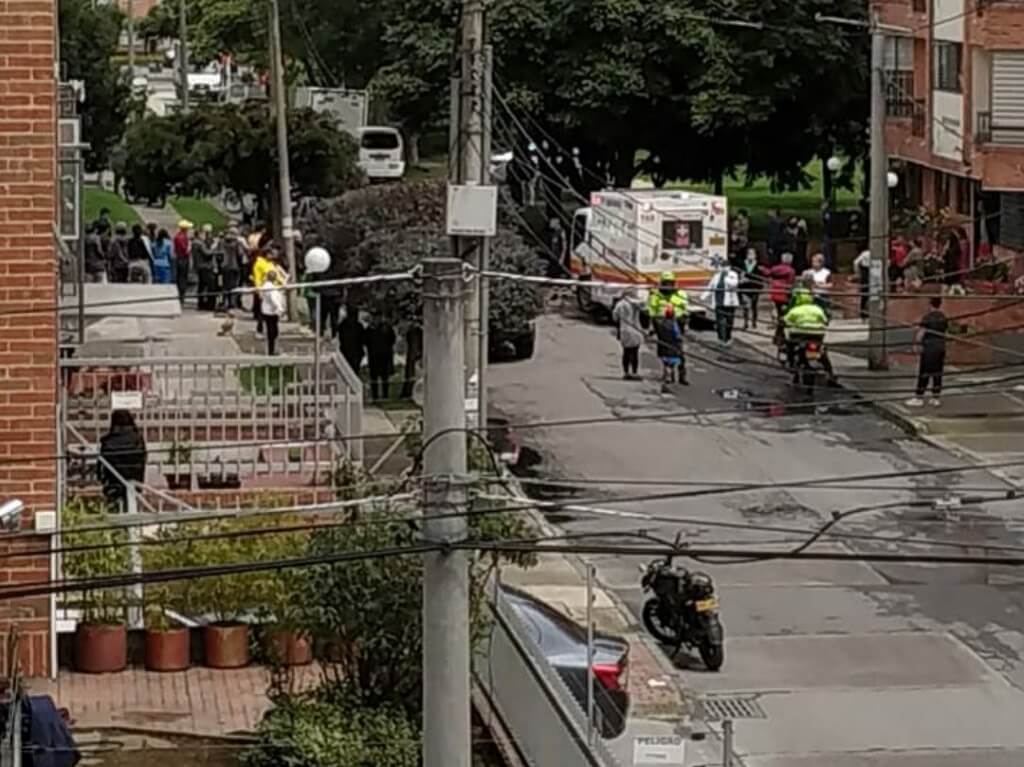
273	303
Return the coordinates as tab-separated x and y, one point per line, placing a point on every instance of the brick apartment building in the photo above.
955	103
28	281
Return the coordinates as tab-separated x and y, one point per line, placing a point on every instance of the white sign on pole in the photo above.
659	749
126	400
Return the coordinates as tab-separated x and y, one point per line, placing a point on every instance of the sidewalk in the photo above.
657	703
983	427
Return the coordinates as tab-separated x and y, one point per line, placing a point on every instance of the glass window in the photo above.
380	140
899	54
947	59
682	235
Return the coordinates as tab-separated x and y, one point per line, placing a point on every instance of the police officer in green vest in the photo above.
805	314
667	294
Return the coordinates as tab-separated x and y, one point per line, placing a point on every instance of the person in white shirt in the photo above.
862	267
820	277
722	294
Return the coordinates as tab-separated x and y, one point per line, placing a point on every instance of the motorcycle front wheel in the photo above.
713	654
652	622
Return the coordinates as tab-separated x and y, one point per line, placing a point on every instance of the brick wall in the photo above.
28	344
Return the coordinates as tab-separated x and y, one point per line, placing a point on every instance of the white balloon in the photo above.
317	260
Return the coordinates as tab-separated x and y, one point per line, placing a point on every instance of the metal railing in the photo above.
983	128
988	132
212	422
537	708
899	89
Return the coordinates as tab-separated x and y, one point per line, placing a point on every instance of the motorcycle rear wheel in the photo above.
652	623
712	654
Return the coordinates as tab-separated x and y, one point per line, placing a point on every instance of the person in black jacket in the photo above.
352	338
380	353
123	449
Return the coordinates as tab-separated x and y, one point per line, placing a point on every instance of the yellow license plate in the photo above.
705	605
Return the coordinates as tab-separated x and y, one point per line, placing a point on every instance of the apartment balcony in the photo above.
993	135
998	153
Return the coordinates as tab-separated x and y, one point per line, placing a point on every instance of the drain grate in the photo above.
732	707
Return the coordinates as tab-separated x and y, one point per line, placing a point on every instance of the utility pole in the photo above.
131	36
182	55
446	643
879	206
484	285
284	179
878	194
472	161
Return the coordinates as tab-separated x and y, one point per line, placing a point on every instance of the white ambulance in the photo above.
632	236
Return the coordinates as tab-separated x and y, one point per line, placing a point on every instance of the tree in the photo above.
370	610
219	147
89	35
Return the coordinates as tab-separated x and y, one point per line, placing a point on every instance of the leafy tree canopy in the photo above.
620	79
89	35
233	147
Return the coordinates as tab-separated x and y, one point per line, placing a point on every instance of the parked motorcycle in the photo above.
683	610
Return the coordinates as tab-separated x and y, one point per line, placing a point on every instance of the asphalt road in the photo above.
843	664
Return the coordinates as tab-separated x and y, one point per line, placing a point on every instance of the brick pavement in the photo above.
200	701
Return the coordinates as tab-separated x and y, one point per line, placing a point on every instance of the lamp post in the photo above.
833	164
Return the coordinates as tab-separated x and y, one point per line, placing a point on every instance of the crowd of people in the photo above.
799	289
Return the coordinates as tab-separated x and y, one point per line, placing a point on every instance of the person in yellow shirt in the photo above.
262	265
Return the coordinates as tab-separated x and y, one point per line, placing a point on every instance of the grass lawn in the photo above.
199	212
96	199
759	199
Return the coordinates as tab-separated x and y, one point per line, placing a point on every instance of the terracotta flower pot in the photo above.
167	650
226	645
289	647
101	648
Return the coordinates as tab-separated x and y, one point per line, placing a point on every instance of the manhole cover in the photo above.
732	707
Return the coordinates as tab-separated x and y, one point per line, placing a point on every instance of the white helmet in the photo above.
317	260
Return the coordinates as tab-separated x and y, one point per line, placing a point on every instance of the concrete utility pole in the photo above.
130	8
446	644
483	285
183	55
284	179
472	160
878	212
879	202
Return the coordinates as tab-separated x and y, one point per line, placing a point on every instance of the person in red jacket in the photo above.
182	256
781	278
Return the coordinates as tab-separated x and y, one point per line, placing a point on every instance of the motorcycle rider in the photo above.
805	314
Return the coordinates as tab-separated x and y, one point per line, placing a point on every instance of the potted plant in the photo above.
180	455
96	550
167	644
285	641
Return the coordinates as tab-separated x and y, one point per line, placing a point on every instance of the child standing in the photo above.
670	349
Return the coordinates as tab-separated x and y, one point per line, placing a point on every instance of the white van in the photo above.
381	153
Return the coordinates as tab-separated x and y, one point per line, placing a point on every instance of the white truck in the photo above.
632	236
349	108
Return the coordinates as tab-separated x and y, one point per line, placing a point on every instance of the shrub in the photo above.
339	733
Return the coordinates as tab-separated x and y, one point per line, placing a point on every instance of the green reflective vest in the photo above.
806	317
657	302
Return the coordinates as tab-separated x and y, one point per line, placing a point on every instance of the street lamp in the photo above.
892	180
833	164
